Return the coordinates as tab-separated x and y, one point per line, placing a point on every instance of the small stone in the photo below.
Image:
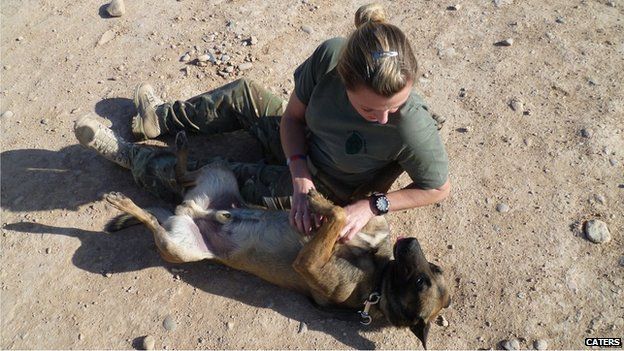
622	261
229	69
453	7
245	66
302	328
480	339
611	3
116	8
540	344
307	29
441	321
463	129
230	325
521	295
19	38
48	250
169	323
597	232
80	336
108	274
512	344
8	114
587	133
185	58
149	343
613	162
506	42
225	58
488	323
560	20
106	37
498	2
205	58
600	199
502	207
44	121
516	105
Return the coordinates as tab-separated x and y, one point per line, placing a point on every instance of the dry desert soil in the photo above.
534	133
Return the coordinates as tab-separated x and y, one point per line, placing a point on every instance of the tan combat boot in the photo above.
145	125
96	136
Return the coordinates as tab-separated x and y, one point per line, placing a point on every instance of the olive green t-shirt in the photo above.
352	150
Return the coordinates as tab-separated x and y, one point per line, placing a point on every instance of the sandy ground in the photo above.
527	273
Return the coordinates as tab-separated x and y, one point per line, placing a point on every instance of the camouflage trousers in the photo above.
245	105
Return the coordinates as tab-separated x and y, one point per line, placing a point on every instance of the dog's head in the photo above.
413	290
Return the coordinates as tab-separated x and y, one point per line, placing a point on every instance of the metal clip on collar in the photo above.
373	299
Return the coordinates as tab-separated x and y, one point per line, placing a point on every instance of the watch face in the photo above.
382	204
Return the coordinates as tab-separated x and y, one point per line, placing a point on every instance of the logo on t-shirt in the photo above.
355	144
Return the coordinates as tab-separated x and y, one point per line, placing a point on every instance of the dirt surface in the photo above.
525	272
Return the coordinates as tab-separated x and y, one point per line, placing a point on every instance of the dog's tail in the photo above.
125	220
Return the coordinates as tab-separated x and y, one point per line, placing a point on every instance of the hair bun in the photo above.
370	13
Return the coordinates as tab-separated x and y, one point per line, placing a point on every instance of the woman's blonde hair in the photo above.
377	54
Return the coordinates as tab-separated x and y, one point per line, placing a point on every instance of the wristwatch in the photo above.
380	203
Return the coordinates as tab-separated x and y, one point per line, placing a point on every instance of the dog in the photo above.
214	223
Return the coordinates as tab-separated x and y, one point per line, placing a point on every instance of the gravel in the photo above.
597	232
116	8
502	208
148	342
506	42
512	344
169	323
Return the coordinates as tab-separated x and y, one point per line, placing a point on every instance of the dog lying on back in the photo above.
214	223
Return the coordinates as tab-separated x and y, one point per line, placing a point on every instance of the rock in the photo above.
116	8
622	261
225	58
48	250
453	7
229	69
245	66
516	105
19	39
302	328
611	3
597	232
498	2
148	343
512	344
502	207
205	58
463	129
7	114
169	323
185	58
540	344
80	336
506	42
106	37
307	29
441	321
560	20
230	325
44	121
108	274
600	199
613	162
587	133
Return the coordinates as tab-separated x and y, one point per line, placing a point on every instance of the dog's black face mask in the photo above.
413	290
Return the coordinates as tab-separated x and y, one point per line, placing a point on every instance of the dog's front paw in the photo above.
117	199
318	203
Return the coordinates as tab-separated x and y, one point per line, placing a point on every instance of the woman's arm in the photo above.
360	212
292	136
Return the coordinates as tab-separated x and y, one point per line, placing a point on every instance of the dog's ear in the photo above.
421	330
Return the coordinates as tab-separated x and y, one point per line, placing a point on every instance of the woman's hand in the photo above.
300	215
358	214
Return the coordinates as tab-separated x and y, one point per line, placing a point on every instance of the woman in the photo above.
351	126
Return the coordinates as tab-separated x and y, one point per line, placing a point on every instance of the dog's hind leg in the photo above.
315	261
169	250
